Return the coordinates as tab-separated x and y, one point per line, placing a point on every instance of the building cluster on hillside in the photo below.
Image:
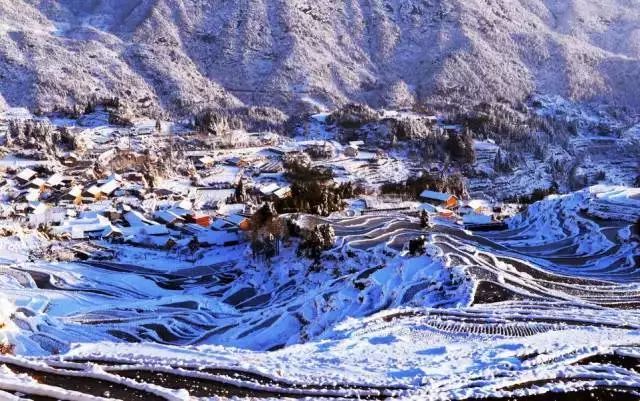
210	200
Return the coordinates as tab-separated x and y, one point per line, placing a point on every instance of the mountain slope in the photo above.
173	54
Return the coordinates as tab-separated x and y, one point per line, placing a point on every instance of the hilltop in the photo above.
176	55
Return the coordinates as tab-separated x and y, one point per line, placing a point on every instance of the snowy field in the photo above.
548	305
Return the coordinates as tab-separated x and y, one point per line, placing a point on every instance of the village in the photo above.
138	236
163	185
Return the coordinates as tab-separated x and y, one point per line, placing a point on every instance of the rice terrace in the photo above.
357	200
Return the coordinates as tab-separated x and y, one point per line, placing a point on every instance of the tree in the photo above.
240	193
90	107
417	245
460	147
321	238
267	230
424	219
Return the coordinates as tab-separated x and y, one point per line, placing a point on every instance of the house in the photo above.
427	207
167	216
89	225
270	167
206	161
135	218
269	189
109	186
221	224
112	233
29	195
351	151
184	205
221	238
25	175
74	195
476	218
439	198
36	183
55	180
445	213
106	189
140	225
478	206
282	193
70	159
202	220
93	191
241	222
236	161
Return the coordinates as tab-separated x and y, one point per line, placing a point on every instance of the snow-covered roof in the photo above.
269	189
476	218
75	191
32	195
207	160
281	192
428	208
108	187
216	237
478	204
214	195
93	190
441	196
55	179
155	229
38	207
167	216
235	219
26	174
220	224
228	209
184	204
135	218
38	182
88	222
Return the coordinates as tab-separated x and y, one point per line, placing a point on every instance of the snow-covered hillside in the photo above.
173	54
550	304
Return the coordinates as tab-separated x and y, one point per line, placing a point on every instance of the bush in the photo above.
413	186
312	188
215	122
321	238
460	147
7	349
320	151
538	194
353	115
298	168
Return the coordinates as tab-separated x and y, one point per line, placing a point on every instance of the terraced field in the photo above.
550	303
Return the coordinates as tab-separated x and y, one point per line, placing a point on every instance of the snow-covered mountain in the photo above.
171	54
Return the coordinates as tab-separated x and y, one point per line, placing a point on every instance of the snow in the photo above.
373	315
426	194
475	314
476	218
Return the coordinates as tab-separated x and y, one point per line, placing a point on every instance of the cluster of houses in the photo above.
474	214
125	207
118	208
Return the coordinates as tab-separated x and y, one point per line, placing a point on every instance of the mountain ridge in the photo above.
176	55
